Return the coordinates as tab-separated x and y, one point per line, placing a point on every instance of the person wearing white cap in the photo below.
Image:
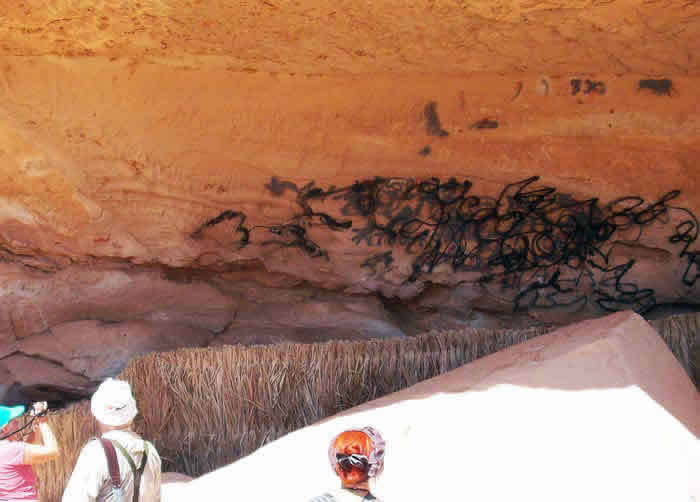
120	466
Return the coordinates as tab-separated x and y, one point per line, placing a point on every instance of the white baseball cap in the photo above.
113	404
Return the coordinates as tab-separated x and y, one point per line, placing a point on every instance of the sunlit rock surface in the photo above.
602	401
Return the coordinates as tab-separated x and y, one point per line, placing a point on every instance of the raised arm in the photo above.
40	453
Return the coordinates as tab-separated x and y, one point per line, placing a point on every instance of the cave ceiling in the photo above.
194	173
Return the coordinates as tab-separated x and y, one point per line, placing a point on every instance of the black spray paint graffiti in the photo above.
660	87
485	124
432	121
244	238
425	151
538	247
589	86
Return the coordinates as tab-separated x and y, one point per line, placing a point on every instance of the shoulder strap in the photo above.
112	463
137	472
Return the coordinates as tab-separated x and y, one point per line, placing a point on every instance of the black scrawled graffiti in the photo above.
660	86
432	121
537	247
485	124
384	259
587	86
229	215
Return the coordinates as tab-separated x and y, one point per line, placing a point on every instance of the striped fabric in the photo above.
327	497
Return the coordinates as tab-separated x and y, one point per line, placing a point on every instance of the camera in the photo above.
39	408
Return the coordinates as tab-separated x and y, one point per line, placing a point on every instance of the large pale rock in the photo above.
599	410
170	482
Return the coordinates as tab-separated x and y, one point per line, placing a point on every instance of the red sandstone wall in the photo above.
125	127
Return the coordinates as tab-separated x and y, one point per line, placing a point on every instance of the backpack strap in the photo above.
137	471
112	463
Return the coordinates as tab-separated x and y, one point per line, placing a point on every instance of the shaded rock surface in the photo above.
133	311
312	320
35	301
97	350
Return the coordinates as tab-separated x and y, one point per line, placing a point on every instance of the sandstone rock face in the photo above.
205	165
33	379
311	321
563	407
98	350
142	311
72	357
34	302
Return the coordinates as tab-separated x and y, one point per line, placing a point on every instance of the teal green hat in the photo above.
8	414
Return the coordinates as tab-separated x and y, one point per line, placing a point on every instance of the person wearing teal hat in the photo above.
21	447
9	414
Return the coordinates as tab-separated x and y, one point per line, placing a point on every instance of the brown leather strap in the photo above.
112	462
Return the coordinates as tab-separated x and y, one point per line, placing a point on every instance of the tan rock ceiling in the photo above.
124	126
366	36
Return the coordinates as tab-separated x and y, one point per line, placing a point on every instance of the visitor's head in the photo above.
113	405
357	455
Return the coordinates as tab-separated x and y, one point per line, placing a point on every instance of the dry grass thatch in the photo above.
682	335
204	408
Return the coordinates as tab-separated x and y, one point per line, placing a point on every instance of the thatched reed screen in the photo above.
204	408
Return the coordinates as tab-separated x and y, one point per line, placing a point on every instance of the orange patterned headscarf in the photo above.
357	454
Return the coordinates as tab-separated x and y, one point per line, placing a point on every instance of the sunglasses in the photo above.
347	462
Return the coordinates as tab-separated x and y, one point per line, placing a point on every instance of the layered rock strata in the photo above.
271	171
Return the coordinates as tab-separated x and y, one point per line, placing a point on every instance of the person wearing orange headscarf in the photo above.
356	456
